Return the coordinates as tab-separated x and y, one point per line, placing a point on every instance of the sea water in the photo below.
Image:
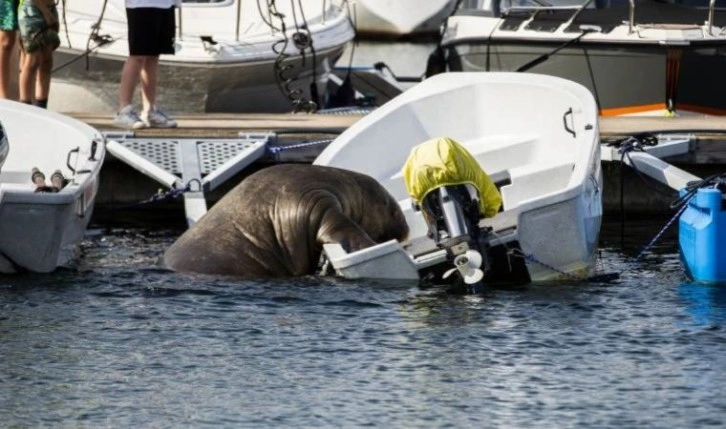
117	341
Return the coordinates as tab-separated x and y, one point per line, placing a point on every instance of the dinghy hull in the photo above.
41	229
535	136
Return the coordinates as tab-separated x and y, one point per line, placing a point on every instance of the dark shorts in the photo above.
151	31
8	15
35	35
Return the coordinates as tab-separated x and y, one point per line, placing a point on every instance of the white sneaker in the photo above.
128	118
157	119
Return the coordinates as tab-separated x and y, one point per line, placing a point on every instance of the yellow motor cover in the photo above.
442	161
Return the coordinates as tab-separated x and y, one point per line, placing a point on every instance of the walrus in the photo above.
275	222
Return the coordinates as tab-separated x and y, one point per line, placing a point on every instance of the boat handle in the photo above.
81	206
564	121
94	148
68	160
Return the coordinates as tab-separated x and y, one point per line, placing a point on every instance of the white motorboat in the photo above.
637	57
231	55
41	226
537	138
401	18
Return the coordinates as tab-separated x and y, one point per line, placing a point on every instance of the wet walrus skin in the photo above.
274	223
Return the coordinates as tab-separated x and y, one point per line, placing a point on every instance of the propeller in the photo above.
468	264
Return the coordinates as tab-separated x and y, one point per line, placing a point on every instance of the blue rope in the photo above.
278	149
161	196
663	230
529	257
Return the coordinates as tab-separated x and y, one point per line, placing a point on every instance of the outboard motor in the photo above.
452	214
447	184
453	192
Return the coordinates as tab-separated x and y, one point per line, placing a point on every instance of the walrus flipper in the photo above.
338	228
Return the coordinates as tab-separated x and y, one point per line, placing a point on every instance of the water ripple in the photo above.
118	341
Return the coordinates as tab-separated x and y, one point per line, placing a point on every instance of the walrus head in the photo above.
381	215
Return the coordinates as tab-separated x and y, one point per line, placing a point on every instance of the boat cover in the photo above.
443	162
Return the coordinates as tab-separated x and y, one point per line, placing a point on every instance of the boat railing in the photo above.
179	22
540	8
238	20
237	24
631	16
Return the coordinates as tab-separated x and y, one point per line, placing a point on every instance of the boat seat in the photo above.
502	221
505	150
535	180
15	187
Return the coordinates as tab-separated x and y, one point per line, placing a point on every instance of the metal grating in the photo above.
164	153
201	157
214	153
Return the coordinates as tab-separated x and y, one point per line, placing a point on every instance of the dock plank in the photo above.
233	123
229	124
627	125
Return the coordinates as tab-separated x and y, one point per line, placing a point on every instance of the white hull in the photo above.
39	231
219	65
536	136
665	60
397	18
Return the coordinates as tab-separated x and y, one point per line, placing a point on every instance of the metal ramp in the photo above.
193	166
648	159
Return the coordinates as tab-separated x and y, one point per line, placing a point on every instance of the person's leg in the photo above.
151	115
127	116
129	79
148	82
28	74
158	32
42	84
7	44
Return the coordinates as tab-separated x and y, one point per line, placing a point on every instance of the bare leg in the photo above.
7	43
130	79
28	73
42	85
148	82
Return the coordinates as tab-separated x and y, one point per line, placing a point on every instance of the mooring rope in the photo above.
163	196
519	253
93	36
278	149
662	231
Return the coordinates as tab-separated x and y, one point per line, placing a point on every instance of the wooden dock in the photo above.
123	185
228	124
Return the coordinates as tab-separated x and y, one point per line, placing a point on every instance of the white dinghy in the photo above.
230	55
536	136
40	226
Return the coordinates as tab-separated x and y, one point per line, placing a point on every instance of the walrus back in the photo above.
269	224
